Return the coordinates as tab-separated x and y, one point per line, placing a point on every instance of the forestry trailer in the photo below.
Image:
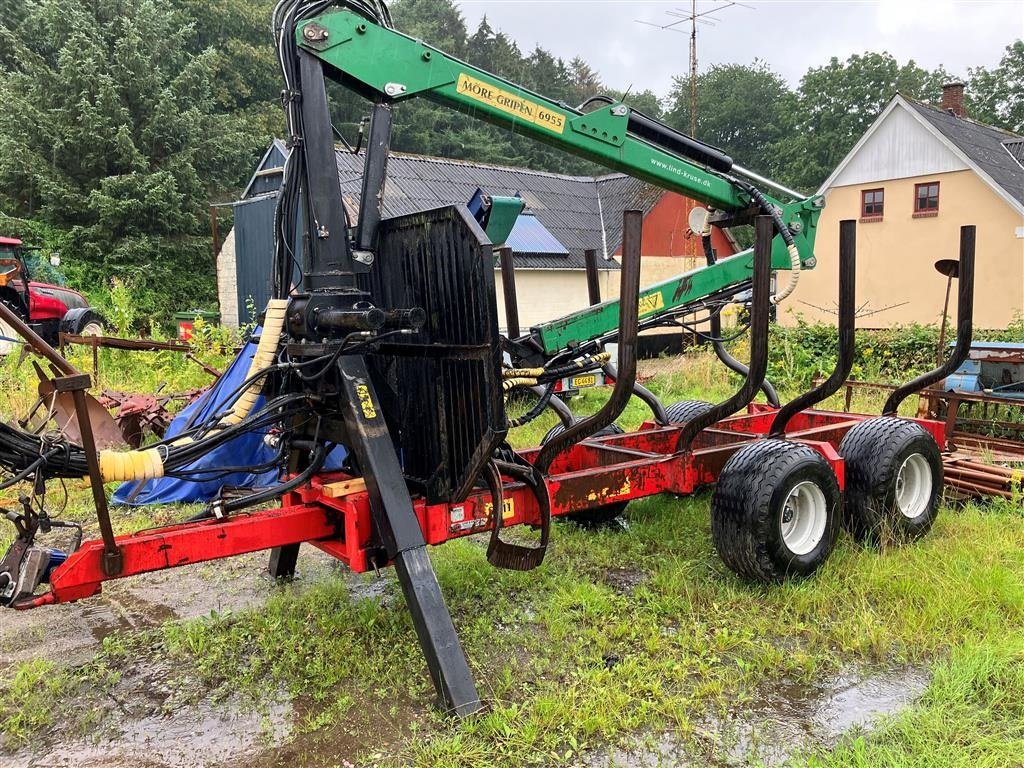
388	344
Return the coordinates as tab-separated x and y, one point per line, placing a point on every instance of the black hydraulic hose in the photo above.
598	98
770	210
730	362
709	252
536	410
319	457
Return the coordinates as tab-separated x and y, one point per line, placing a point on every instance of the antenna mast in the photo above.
694	17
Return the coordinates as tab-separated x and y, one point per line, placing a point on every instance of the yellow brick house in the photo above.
916	176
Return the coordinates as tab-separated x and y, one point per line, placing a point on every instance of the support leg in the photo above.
397	524
283	561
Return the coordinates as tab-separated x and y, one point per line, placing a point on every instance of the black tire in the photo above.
85	320
559	428
881	506
598	516
753	502
685	410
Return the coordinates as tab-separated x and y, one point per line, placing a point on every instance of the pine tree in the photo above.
109	132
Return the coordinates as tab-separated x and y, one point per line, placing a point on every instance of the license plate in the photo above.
578	382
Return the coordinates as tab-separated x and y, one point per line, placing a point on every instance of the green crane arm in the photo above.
385	65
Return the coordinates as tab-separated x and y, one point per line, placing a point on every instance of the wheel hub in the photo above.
914	484
804	518
788	512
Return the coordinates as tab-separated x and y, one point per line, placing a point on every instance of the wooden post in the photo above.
508	284
593	283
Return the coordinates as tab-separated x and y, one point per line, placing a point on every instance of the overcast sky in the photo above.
788	34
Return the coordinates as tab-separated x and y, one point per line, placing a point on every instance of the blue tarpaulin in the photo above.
245	450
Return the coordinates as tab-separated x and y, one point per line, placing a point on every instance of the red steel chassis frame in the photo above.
592	473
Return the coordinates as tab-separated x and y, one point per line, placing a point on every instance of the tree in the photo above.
437	22
744	110
996	96
837	103
246	78
584	81
110	133
494	52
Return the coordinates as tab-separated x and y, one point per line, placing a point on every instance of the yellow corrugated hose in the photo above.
148	464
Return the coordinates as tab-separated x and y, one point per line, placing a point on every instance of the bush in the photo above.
799	353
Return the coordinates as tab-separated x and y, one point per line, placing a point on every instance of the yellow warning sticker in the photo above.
524	109
508	509
652	302
365	401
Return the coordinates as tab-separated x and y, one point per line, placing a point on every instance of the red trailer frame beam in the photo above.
596	472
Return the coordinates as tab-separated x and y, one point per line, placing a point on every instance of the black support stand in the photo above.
331	282
396	522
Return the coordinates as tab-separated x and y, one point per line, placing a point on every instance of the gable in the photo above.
899	147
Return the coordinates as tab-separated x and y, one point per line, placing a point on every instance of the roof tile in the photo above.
990	148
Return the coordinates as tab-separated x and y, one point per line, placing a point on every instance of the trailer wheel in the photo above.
686	410
593	518
559	428
775	511
893	480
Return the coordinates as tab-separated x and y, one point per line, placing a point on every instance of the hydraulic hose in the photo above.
149	464
787	238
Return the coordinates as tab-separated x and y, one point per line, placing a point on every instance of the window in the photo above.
872	201
926	199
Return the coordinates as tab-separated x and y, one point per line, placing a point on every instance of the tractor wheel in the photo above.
599	516
685	410
893	480
82	322
8	336
775	511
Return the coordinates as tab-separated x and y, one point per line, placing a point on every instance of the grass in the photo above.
568	661
620	633
972	715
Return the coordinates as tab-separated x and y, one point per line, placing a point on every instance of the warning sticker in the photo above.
524	109
366	402
508	509
652	302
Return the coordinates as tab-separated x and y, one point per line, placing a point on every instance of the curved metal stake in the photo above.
964	327
735	365
629	308
644	394
759	314
847	331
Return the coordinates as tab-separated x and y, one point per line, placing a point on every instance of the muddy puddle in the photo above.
779	723
150	718
192	737
625	579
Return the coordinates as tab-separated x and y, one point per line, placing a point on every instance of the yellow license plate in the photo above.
577	382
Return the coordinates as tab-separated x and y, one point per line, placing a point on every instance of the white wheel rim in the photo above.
804	517
92	329
7	332
914	486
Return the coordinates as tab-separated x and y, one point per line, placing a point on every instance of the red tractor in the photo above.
48	309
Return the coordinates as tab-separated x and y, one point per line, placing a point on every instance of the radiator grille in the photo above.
441	390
